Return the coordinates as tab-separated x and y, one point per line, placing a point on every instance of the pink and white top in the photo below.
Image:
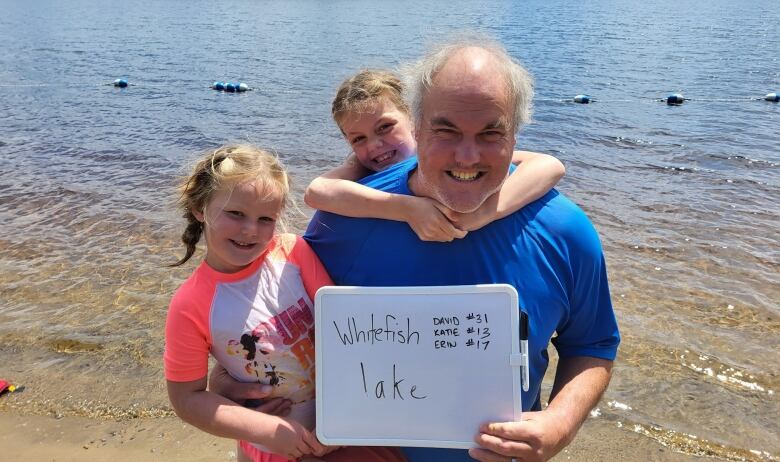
258	323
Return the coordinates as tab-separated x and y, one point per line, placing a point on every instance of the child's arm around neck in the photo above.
338	192
536	174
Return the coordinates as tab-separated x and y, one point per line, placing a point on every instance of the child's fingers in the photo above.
317	448
249	390
275	406
221	383
329	449
448	213
459	233
451	231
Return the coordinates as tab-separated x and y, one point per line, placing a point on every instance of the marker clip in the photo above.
524	350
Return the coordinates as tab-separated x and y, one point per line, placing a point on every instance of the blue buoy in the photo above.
675	99
582	99
230	87
121	83
774	97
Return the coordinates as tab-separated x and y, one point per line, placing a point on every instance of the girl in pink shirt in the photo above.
249	305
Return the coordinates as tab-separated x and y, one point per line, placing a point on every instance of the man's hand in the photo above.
429	223
537	437
579	383
221	383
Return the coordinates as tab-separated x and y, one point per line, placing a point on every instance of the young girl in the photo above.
375	120
248	304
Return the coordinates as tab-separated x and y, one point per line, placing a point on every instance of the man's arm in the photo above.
579	383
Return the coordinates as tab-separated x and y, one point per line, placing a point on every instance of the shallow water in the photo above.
684	197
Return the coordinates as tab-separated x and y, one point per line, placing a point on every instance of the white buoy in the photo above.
582	99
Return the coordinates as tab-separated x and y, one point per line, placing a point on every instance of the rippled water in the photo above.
685	198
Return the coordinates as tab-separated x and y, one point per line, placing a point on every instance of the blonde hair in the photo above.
222	168
361	90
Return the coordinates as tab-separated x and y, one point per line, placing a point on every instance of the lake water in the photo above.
685	198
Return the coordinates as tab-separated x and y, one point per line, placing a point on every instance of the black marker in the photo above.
524	348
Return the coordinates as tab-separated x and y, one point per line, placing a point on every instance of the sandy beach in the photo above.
147	430
168	439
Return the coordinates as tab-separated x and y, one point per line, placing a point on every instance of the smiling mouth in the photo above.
243	245
462	176
382	158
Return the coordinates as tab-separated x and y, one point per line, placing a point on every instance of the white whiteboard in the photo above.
408	380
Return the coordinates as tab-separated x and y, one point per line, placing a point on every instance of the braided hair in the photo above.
224	168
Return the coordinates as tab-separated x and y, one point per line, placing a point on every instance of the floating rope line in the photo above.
674	99
29	85
118	83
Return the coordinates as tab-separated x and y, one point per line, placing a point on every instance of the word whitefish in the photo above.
389	333
387	381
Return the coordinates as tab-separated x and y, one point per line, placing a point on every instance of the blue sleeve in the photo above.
590	329
337	240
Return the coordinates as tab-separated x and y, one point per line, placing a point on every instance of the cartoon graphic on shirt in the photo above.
270	371
266	373
285	343
246	347
234	348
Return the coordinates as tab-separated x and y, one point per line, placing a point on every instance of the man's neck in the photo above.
414	183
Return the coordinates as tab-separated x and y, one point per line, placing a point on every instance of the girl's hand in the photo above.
223	384
293	441
274	406
429	223
327	449
472	221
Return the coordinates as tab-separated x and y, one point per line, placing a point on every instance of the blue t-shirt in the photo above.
548	251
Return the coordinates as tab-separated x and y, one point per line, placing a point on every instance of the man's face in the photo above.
465	140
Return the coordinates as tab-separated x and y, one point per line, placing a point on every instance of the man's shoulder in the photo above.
554	208
557	218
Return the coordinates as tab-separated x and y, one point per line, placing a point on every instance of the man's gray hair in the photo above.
418	76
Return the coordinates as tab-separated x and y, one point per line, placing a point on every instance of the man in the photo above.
469	101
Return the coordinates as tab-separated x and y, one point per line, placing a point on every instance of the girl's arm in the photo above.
222	417
534	176
337	191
